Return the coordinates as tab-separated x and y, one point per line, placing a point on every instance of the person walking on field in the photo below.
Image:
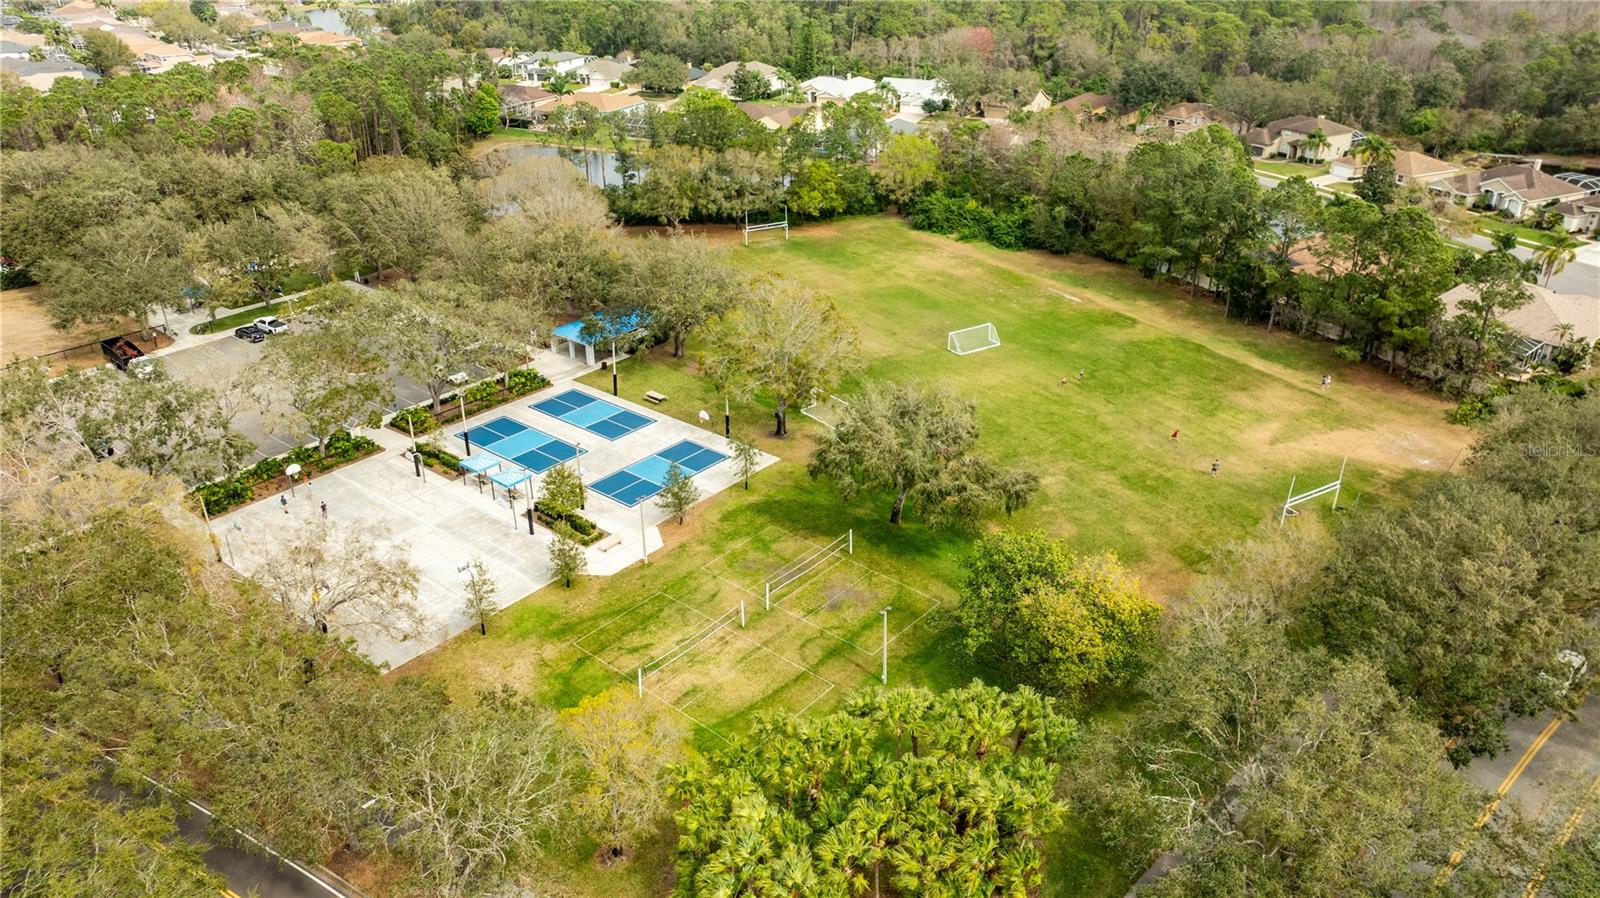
1327	381
1081	372
1174	436
1216	465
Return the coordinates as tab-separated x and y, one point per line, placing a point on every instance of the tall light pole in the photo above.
886	646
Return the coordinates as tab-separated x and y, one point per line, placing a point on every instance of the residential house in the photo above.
1580	216
720	79
605	73
914	92
1287	137
626	104
153	56
1517	189
44	74
1000	110
1410	167
539	67
1542	320
1184	118
317	38
524	102
775	118
83	14
832	89
899	124
1084	107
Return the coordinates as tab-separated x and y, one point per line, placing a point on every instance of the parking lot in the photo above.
221	362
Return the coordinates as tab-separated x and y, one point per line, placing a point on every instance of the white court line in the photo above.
1065	296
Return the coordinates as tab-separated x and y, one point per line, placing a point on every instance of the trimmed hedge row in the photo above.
440	460
479	397
588	532
246	486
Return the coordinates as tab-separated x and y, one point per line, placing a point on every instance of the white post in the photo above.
741	614
769	596
641	682
851	535
1283	514
644	539
1341	482
886	646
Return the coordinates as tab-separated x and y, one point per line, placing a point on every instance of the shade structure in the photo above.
510	478
477	464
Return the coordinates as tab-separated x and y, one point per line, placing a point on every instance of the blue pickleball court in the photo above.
520	444
646	477
593	414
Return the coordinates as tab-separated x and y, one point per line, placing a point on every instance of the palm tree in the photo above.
1564	332
1314	144
1374	149
1559	249
559	83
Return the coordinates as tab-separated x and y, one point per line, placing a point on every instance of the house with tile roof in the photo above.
1086	106
1410	167
774	117
720	79
1581	216
1542	321
913	92
833	89
43	75
1518	188
1288	137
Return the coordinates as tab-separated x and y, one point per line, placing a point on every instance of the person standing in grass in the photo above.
1327	381
1174	436
1216	465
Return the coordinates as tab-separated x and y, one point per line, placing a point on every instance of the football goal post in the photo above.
825	409
972	339
1294	499
766	226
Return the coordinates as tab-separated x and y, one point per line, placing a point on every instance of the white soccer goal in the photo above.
825	409
972	339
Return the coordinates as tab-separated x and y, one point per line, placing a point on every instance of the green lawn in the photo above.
1489	225
1155	361
1289	169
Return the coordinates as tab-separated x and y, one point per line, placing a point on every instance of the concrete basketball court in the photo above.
444	525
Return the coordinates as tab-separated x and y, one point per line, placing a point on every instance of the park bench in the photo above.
609	543
655	397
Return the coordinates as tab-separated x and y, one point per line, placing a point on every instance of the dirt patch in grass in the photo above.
26	331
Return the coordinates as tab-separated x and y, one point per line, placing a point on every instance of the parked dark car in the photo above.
250	332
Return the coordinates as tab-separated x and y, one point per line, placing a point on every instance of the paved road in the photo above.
254	872
1549	756
1572	746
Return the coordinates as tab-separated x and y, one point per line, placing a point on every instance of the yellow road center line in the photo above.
1500	792
1567	831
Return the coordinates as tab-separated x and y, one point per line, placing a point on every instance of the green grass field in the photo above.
1155	360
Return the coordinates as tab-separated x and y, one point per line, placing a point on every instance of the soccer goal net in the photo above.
972	339
825	409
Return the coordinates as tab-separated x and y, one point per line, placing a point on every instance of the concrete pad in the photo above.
444	525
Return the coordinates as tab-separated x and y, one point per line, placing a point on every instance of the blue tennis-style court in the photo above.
518	443
593	414
646	477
